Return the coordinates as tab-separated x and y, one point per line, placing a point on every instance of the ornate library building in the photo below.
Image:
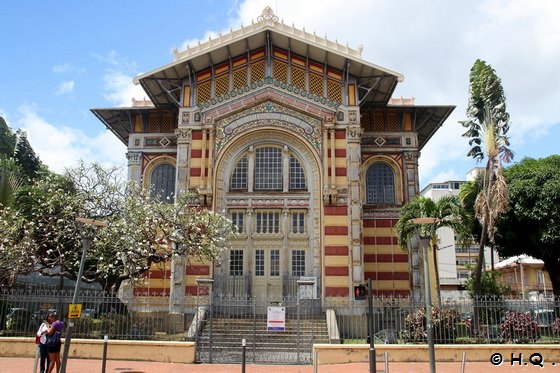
298	141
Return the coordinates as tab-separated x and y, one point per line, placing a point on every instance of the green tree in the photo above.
532	224
448	212
487	127
7	140
492	287
19	164
25	156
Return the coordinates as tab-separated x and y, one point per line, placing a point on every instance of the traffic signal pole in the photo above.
372	362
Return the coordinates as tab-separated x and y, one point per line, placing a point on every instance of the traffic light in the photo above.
360	292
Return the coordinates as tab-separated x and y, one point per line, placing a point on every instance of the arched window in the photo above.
380	184
268	169
162	181
239	175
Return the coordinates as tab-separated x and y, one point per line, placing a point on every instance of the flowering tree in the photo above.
17	250
140	231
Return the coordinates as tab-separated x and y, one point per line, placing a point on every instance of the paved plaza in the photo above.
25	365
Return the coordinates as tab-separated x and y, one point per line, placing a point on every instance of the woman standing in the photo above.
56	326
42	335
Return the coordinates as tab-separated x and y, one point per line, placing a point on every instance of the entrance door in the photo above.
267	279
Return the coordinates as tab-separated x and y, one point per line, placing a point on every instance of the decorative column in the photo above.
250	169
411	169
203	159
134	166
411	186
209	179
177	288
285	169
354	137
184	137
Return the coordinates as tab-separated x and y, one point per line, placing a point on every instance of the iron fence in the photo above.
401	320
395	320
23	309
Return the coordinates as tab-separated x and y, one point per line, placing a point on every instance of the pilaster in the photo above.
354	136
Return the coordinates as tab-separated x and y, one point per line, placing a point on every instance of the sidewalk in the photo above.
25	365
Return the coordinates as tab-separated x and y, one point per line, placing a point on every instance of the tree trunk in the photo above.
478	281
552	266
478	273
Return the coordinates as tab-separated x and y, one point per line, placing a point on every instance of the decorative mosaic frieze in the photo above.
159	142
272	115
380	141
378	213
267	202
268	81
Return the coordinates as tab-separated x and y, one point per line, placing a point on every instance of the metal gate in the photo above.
226	322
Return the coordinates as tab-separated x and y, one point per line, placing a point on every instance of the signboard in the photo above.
74	311
276	319
307	291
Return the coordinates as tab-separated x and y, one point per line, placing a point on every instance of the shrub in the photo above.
519	327
556	325
443	323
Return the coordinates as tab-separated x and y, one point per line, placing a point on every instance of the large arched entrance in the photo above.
268	183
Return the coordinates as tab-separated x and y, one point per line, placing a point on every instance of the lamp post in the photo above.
86	244
427	296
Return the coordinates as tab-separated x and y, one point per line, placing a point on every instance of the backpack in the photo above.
53	340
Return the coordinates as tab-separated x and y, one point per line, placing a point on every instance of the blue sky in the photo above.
62	58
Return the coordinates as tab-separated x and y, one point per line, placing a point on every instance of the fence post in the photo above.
243	352
105	340
37	357
298	327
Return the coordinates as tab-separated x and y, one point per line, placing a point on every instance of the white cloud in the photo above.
60	147
64	88
119	89
61	68
66	68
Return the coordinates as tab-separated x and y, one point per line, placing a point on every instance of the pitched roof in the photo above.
516	260
160	84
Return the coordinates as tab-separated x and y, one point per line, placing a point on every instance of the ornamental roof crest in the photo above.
267	17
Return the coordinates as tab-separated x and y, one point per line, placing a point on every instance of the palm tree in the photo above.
11	179
446	211
487	126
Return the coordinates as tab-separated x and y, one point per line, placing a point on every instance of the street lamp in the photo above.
86	244
417	222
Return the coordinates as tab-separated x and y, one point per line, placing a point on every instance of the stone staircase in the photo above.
221	340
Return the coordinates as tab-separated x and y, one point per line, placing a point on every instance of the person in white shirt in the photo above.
42	334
